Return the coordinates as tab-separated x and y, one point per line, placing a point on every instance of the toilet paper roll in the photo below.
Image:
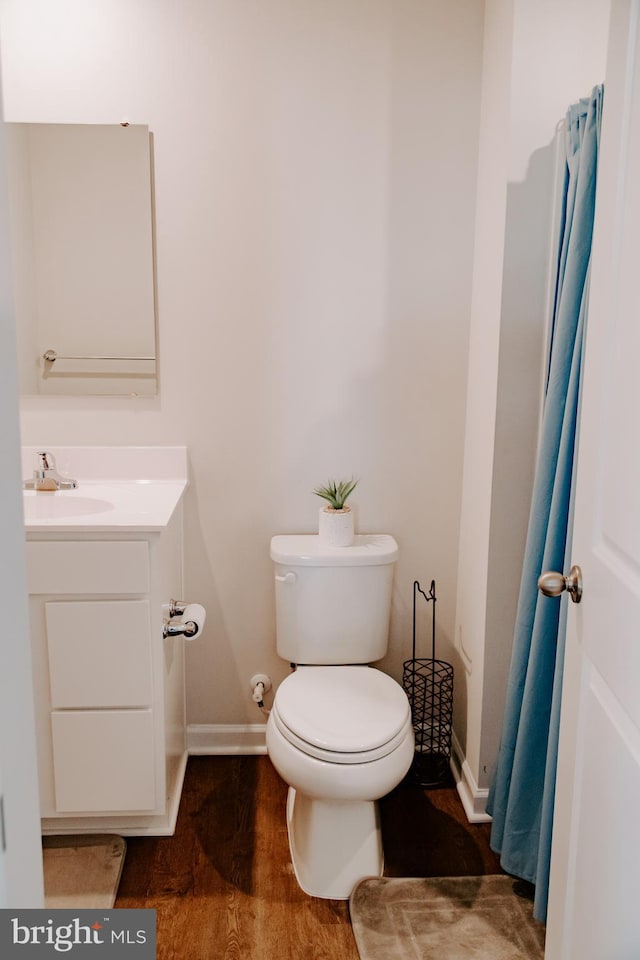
194	613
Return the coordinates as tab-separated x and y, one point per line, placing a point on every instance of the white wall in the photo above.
483	377
315	172
539	58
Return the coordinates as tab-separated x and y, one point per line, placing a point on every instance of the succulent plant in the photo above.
336	492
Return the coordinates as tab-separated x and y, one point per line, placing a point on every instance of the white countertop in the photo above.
119	489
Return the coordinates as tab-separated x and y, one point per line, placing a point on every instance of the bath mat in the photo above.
83	871
447	918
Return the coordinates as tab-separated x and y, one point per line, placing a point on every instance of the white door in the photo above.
594	909
3	881
21	862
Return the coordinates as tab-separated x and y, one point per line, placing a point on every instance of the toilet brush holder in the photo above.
428	684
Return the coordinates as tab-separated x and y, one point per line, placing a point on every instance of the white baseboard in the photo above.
226	738
474	798
233	739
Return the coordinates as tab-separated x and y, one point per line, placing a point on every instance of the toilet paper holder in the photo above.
191	615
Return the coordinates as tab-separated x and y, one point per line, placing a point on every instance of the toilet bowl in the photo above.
341	737
339	732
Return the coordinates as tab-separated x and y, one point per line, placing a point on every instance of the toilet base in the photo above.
333	843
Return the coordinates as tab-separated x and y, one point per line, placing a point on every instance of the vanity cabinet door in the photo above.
103	760
109	690
99	653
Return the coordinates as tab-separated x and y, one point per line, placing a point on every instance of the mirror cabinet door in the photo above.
82	247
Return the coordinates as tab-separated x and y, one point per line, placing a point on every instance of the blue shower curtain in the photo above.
522	794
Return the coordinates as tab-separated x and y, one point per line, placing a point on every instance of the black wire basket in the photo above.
428	684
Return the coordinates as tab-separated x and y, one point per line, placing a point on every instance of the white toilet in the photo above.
339	732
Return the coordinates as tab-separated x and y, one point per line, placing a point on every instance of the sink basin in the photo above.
59	504
103	505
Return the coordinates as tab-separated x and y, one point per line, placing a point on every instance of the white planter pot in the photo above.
335	527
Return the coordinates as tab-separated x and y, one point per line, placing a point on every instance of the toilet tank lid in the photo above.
307	550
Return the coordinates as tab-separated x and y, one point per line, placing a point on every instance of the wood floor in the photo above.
223	886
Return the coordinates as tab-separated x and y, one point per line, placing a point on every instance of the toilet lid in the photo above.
348	711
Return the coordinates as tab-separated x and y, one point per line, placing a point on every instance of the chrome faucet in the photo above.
46	477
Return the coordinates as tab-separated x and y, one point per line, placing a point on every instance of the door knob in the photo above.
552	583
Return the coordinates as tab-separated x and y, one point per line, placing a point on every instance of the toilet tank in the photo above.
333	603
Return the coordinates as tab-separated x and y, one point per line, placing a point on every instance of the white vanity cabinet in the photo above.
109	689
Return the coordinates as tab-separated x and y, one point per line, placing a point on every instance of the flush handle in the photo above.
289	577
552	583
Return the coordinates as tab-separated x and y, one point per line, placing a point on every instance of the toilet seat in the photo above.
342	714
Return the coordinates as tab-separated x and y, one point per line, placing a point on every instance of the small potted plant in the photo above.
336	519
